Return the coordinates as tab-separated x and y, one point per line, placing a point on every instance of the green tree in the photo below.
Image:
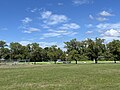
25	52
16	50
72	45
54	53
114	48
4	52
73	55
35	52
45	55
108	56
63	56
95	48
2	44
74	49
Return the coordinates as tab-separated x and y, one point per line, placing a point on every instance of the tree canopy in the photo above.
75	50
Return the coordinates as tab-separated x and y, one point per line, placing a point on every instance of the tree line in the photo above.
75	50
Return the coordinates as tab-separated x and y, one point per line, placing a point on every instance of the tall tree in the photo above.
3	50
114	48
63	56
35	52
2	44
95	48
54	53
73	55
74	48
16	50
5	53
72	45
45	56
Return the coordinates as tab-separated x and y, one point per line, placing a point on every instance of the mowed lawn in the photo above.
60	77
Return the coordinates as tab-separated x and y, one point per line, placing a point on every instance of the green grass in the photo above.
60	77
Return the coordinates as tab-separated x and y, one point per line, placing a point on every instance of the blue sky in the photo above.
50	22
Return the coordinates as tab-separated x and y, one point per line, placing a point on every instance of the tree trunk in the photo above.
115	61
34	60
54	62
75	61
96	61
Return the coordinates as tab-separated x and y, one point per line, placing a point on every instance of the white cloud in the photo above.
63	28
41	38
70	26
55	19
80	2
60	4
45	26
89	32
51	19
89	25
43	44
91	17
107	26
111	33
33	10
47	44
101	19
24	43
46	14
109	39
101	16
51	34
100	31
26	20
31	29
105	13
58	33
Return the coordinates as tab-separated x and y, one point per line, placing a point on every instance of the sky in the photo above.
53	22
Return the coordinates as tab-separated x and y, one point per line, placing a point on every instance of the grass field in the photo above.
60	77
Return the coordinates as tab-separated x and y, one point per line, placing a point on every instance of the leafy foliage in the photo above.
76	50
